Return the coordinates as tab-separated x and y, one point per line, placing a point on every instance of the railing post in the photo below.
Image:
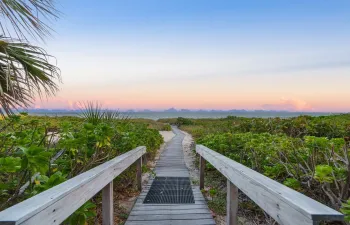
144	159
201	172
107	204
232	204
139	173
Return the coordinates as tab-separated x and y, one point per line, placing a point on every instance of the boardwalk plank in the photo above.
173	222
143	207
170	212
153	217
171	164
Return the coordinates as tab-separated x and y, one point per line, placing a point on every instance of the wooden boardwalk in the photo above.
171	164
169	198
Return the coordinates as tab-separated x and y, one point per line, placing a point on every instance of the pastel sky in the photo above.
156	54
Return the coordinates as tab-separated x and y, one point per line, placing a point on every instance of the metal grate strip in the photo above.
170	190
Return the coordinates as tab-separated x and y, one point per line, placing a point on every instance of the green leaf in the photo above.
46	183
292	183
10	164
323	174
345	209
83	214
37	159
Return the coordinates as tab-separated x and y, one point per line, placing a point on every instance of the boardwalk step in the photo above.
173	222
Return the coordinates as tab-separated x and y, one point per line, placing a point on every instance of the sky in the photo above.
199	54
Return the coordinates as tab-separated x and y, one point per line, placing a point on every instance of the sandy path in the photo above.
190	157
167	135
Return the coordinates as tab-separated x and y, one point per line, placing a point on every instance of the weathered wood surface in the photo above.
171	164
232	204
201	172
173	222
56	204
285	205
139	173
107	204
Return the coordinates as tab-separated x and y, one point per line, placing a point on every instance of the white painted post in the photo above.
139	173
232	204
107	204
201	172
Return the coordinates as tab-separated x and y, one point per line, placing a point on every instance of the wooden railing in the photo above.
283	204
58	203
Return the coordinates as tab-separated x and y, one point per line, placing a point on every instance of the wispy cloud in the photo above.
300	67
291	68
259	70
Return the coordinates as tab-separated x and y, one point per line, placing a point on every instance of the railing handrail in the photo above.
53	206
284	204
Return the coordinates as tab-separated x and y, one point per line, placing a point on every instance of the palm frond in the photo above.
25	70
27	17
94	114
112	115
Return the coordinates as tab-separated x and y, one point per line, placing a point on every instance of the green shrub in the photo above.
183	121
166	127
345	209
308	154
55	149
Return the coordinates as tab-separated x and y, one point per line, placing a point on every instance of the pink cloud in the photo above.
289	105
54	103
61	103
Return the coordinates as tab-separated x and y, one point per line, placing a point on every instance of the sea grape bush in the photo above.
183	121
308	154
323	126
37	153
316	165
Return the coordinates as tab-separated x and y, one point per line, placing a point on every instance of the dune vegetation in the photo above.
308	154
37	153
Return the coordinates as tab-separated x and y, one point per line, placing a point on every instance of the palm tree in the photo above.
25	70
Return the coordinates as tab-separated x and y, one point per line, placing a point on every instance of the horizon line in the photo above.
174	110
